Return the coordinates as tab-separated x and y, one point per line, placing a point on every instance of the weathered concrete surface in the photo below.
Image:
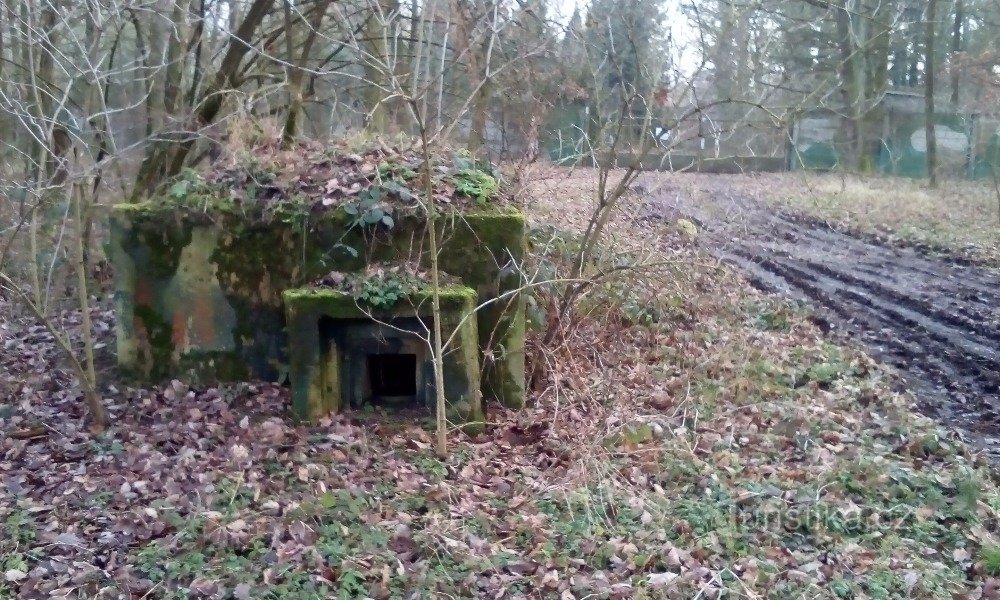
199	294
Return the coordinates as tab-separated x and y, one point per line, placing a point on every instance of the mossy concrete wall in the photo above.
198	294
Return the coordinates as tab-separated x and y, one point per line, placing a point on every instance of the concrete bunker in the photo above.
216	279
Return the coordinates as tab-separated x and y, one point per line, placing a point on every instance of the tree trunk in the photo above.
956	47
479	116
158	36
477	68
876	59
929	94
376	73
198	41
381	65
594	128
98	414
167	158
849	91
174	72
440	412
724	73
296	70
414	51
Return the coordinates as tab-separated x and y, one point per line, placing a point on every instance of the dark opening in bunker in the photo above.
365	362
393	377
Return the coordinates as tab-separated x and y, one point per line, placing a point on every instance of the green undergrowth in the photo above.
381	286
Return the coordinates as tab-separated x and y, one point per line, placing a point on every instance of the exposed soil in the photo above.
936	320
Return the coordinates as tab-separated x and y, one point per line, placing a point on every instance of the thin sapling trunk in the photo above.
438	357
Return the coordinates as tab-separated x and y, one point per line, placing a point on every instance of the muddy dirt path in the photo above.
938	322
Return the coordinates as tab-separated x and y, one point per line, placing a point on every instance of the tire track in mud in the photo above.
864	288
977	358
938	322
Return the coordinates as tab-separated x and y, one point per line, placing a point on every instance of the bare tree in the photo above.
929	125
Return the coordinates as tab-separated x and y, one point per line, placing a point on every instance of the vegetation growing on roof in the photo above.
371	183
381	286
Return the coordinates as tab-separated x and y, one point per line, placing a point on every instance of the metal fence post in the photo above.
970	155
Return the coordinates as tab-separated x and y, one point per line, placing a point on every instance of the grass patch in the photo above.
960	217
991	560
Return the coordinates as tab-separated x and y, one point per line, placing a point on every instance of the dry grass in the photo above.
707	401
566	197
959	216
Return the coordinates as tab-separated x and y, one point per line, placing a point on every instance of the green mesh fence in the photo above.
968	145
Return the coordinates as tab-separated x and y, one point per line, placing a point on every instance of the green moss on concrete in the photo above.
503	374
178	323
212	367
462	366
258	263
155	241
255	261
476	246
146	209
307	246
342	305
455	293
202	315
501	237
